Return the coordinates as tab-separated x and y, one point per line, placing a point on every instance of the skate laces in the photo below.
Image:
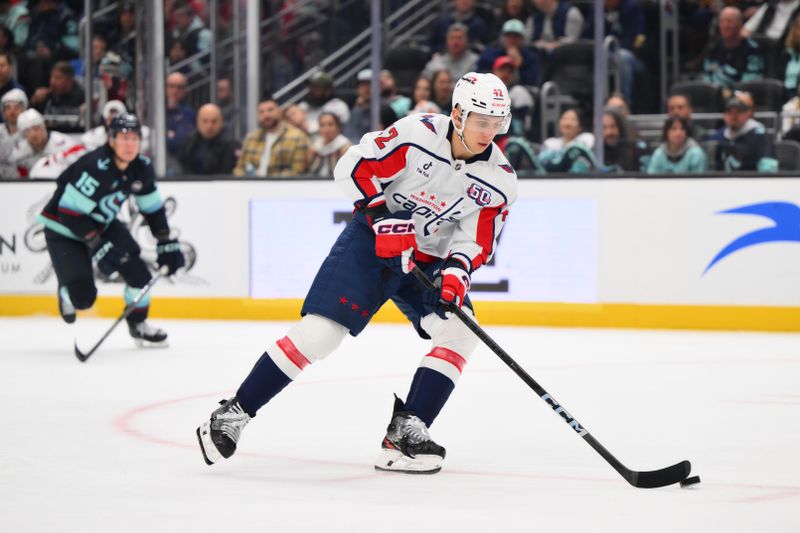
231	421
411	427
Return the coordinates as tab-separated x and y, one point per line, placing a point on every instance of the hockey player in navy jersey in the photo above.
432	189
81	226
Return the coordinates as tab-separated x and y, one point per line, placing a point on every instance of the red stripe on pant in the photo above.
450	356
292	353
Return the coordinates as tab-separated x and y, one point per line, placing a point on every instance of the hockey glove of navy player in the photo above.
170	255
454	282
104	254
395	237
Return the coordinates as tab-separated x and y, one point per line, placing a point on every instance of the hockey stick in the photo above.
82	357
643	480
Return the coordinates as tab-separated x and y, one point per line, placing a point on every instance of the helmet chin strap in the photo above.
460	133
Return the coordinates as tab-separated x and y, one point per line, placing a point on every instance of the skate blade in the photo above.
210	453
141	343
395	461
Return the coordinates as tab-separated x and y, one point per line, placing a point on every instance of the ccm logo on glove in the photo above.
399	228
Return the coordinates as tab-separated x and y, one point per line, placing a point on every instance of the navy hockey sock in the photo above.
428	393
261	385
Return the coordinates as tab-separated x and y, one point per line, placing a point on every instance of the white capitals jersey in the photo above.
25	158
459	206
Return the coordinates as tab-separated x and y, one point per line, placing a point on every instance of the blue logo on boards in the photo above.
786	227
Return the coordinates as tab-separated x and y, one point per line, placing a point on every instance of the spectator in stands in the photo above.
8	46
207	150
361	115
772	19
572	151
276	148
321	97
400	104
790	118
7	82
15	16
175	56
678	153
679	105
122	37
328	147
552	23
617	101
189	30
99	49
180	117
733	58
36	142
571	128
63	97
623	152
512	9
443	90
624	19
53	32
421	97
12	104
790	58
225	103
463	12
521	98
295	116
744	143
457	58
512	44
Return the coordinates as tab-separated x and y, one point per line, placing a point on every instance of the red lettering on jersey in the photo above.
381	141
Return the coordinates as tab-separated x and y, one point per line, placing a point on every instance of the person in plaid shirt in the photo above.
276	148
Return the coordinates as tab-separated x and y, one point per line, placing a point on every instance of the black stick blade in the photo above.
660	478
80	355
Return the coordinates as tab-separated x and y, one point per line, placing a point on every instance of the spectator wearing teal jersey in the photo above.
678	153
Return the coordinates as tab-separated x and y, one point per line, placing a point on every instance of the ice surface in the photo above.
109	445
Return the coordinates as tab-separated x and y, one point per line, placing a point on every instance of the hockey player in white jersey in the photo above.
430	190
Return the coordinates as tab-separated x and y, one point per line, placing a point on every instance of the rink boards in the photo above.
679	253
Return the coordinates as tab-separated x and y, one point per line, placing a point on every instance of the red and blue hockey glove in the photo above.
453	282
395	237
170	255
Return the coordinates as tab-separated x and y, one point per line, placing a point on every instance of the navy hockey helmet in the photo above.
124	122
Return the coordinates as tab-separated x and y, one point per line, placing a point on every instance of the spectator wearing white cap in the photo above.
97	137
36	142
322	98
12	104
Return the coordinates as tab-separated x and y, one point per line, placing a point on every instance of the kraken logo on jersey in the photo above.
109	206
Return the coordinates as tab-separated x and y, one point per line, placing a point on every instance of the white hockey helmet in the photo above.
28	119
14	95
485	94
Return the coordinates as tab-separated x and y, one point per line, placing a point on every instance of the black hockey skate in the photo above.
407	446
219	434
146	335
65	306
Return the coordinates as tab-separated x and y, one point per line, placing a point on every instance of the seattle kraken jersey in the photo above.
459	206
91	191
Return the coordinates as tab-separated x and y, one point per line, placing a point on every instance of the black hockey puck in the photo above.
689	481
